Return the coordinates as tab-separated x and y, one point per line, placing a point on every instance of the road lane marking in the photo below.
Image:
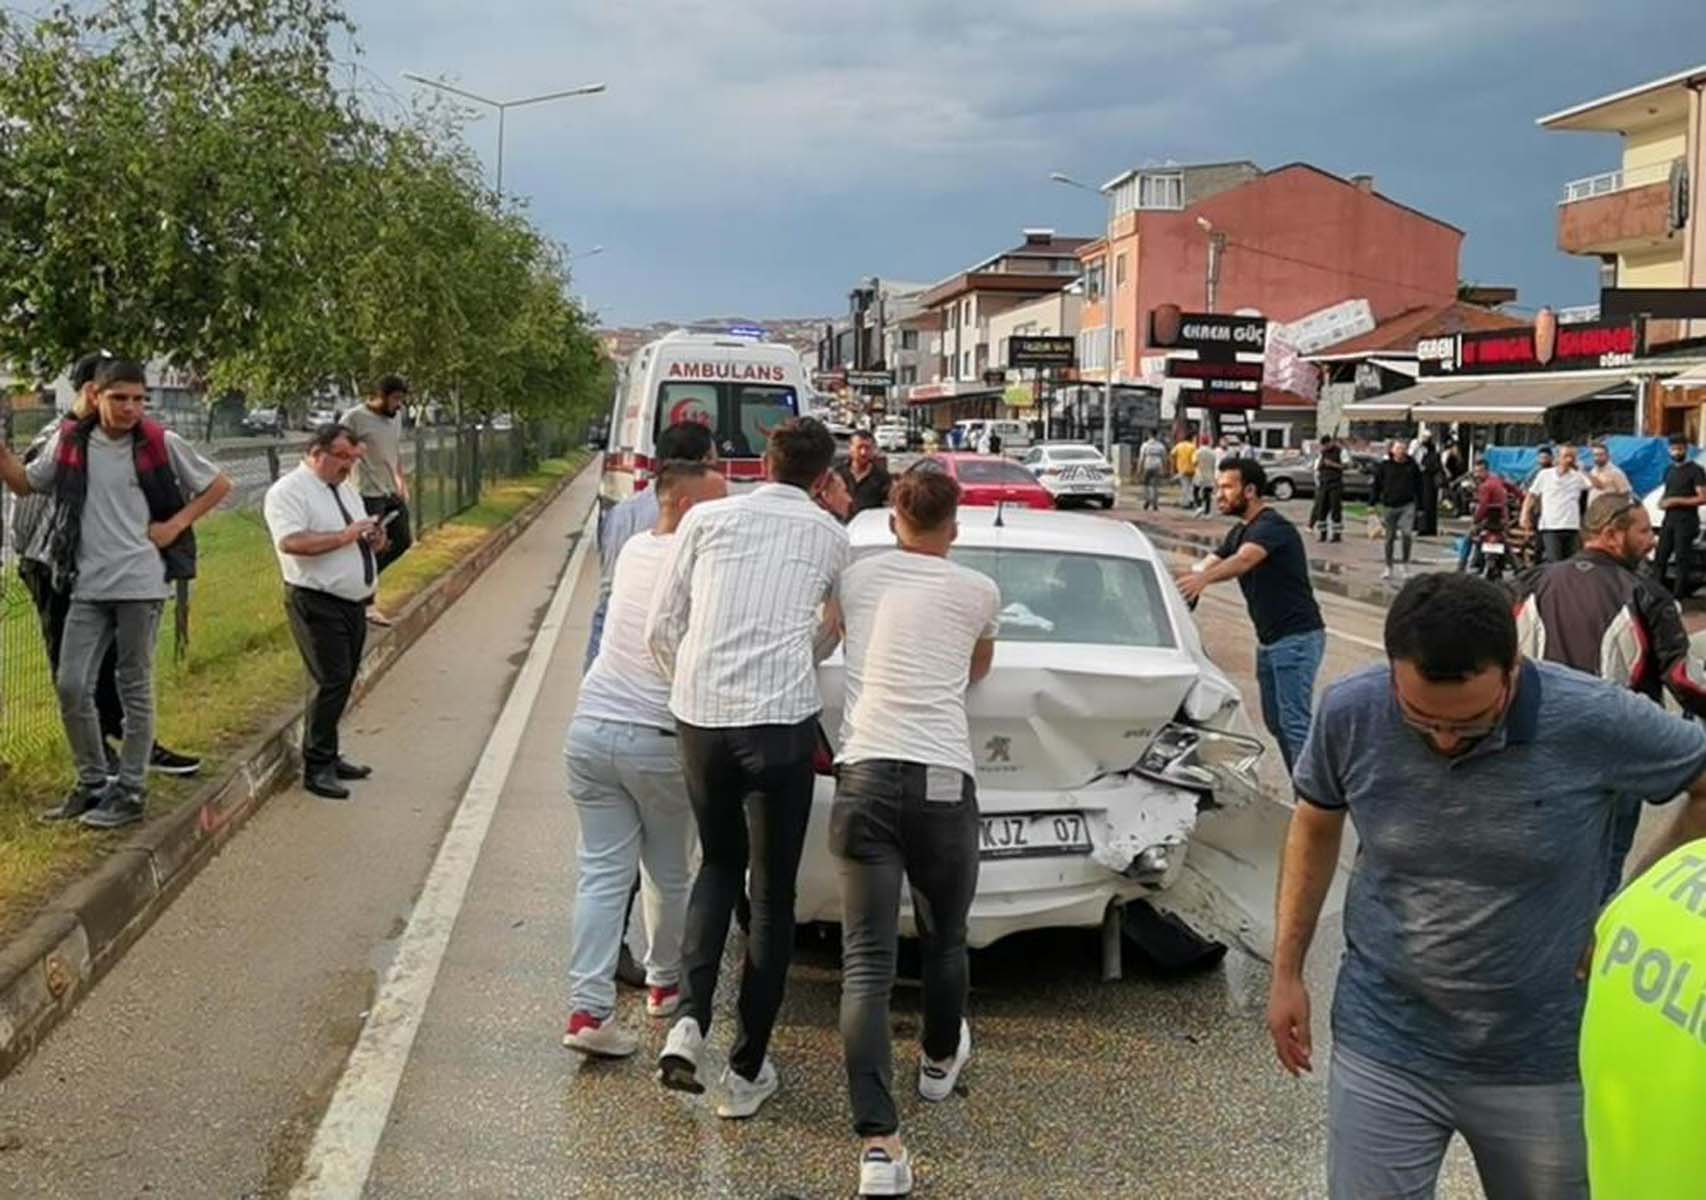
341	1156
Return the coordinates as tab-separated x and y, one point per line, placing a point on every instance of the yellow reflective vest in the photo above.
1644	1036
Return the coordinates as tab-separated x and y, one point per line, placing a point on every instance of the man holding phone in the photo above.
329	557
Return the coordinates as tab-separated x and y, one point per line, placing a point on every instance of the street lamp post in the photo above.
1108	306
503	107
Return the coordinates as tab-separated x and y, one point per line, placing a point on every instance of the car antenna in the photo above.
999	523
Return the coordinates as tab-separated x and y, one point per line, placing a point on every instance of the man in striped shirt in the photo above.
734	627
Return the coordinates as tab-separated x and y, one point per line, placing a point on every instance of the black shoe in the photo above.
345	769
117	809
628	971
170	762
78	801
1337	538
324	782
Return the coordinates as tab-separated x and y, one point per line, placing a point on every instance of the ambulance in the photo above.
740	387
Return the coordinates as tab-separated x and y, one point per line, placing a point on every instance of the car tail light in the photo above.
1201	760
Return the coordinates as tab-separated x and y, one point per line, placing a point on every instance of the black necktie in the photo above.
366	550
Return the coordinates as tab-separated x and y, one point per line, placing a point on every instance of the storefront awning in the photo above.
1400	405
1691	378
1514	401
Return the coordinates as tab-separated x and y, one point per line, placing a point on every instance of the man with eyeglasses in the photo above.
1483	787
1597	613
328	552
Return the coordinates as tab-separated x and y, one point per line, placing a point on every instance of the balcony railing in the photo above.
1616	181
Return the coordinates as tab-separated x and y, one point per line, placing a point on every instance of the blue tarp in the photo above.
1643	459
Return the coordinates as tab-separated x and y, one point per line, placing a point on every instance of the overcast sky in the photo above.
757	157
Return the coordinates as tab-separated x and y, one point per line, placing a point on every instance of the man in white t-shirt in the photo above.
919	629
630	796
1558	491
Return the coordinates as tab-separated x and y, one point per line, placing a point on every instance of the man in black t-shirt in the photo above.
1685	492
866	477
1264	553
1327	517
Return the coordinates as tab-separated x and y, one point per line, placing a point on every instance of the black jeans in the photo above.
1676	538
1559	544
884	823
51	608
397	532
1327	514
330	632
751	790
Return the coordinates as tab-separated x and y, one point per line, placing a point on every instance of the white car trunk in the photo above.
1058	716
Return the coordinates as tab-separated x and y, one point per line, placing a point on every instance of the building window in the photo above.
909	339
1161	191
907	376
965	364
1119	271
1093	279
1119	347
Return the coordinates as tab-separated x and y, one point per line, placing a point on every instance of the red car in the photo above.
986	480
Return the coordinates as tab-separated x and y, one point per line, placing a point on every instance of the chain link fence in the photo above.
235	599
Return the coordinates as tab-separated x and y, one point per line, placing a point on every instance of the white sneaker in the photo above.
936	1080
743	1098
678	1062
1386	572
599	1038
881	1175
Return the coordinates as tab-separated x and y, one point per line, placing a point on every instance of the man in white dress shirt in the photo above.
327	551
733	627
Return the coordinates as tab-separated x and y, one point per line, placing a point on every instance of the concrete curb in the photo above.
54	961
1327	575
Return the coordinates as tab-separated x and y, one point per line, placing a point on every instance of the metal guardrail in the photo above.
1607	182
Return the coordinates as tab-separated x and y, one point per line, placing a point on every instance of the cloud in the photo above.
778	148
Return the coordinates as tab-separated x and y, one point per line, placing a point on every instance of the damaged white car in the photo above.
1103	735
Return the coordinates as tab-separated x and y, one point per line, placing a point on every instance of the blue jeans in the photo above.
1285	672
631	802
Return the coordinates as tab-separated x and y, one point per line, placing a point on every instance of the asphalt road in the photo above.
203	1065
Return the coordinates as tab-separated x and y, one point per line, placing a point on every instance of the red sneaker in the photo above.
599	1038
663	1001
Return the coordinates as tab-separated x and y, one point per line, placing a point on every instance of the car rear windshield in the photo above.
741	415
1075	454
1004	473
1055	596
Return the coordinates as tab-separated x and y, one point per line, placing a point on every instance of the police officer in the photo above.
1643	1051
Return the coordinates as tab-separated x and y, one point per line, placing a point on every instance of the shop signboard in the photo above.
870	379
1208	334
1545	346
1033	351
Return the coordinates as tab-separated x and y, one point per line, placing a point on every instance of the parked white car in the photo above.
891	437
1101	734
1072	471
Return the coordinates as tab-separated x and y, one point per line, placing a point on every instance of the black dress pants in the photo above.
330	632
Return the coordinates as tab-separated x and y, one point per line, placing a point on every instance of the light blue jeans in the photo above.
632	804
1285	673
1387	1131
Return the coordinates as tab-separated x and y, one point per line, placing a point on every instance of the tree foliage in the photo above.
187	179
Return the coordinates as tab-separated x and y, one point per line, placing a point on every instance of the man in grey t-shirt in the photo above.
378	428
125	494
1483	789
